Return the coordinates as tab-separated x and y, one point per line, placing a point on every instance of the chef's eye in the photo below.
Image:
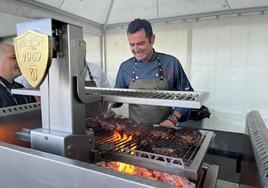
141	43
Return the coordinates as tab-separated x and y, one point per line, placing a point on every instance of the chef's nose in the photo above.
136	48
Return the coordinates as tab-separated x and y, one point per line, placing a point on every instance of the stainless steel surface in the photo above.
152	97
211	175
26	91
187	166
27	168
63	144
63	113
13	110
259	138
41	25
24	135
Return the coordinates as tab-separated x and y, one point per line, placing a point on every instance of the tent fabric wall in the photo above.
93	49
228	59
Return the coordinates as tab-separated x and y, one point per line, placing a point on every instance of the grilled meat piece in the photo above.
157	133
165	151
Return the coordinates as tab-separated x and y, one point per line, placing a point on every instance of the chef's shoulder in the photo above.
168	58
127	63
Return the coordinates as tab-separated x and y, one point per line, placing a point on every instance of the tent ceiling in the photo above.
124	11
111	13
8	26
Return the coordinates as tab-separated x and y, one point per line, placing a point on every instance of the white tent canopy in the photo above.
221	44
110	13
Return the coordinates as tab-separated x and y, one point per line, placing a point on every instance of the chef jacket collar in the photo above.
153	57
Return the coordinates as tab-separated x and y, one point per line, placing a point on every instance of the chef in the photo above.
151	70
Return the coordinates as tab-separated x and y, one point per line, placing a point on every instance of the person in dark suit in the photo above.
9	70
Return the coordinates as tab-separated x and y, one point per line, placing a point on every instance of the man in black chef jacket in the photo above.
9	70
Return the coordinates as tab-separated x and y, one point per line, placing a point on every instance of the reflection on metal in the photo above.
12	110
32	168
259	139
152	97
63	114
26	91
33	53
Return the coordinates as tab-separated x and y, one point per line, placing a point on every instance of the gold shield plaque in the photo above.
33	53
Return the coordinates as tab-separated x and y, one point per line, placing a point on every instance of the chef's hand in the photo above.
167	123
172	119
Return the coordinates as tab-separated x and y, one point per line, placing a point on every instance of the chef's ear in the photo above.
152	39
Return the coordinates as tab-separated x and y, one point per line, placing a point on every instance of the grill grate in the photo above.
132	151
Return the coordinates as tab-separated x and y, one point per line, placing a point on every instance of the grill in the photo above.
168	153
151	97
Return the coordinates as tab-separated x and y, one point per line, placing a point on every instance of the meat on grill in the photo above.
159	140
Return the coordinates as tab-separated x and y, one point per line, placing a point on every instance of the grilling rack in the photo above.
151	97
186	166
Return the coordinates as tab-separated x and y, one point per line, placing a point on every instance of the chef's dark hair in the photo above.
139	24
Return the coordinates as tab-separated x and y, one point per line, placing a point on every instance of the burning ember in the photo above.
154	175
143	172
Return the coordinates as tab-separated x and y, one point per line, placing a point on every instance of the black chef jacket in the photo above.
7	99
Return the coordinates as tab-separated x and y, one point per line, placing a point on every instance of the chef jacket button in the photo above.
156	74
137	77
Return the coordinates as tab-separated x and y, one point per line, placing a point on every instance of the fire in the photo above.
126	168
123	138
154	175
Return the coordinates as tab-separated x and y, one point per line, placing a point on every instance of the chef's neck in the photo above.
149	57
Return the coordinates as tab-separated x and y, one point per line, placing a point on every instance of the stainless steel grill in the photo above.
259	138
151	97
133	152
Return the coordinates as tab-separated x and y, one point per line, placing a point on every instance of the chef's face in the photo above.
140	45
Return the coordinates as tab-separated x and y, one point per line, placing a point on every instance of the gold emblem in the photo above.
33	53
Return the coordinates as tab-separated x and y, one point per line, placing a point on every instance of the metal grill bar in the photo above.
151	97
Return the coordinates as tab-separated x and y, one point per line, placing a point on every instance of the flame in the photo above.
123	138
154	175
126	168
